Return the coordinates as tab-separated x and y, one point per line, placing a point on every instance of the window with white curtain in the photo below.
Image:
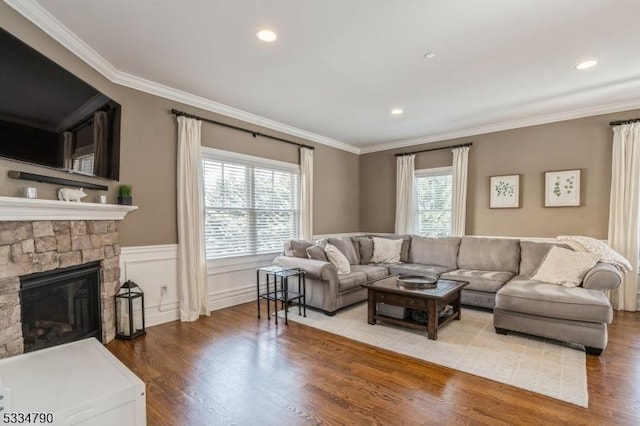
434	191
251	204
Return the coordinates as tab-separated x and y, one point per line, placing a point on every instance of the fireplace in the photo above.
60	306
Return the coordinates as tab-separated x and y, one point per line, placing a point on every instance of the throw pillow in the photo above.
338	259
345	245
317	253
299	247
365	248
386	250
565	267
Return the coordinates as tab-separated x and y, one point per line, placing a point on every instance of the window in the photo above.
434	190
251	204
83	164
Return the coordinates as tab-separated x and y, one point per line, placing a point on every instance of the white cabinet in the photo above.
81	383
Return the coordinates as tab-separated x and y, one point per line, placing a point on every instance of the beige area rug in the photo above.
471	345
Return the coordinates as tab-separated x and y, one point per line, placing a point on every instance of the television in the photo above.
50	117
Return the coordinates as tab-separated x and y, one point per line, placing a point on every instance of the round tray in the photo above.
417	281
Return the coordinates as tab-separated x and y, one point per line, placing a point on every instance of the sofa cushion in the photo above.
386	250
338	259
417	269
435	251
487	281
345	245
489	254
352	280
406	244
372	272
554	301
565	267
365	249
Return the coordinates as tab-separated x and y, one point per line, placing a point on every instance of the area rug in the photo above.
471	345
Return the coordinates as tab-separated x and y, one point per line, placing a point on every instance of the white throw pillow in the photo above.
386	250
565	267
337	259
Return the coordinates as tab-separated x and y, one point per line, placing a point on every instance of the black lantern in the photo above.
129	311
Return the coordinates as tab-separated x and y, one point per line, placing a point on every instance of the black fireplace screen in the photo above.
60	306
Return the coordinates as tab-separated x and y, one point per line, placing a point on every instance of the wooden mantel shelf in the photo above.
26	209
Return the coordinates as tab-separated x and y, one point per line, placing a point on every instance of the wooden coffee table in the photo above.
430	301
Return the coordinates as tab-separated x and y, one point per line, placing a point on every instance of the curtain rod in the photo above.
253	132
402	154
617	123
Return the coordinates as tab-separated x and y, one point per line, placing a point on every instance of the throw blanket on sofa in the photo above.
592	245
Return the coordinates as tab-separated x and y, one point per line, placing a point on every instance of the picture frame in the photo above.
504	192
562	188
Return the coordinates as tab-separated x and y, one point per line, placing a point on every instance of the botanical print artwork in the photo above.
504	192
562	188
565	187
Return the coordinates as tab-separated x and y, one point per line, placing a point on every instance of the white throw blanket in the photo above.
592	245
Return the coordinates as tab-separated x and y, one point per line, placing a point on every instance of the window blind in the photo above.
434	190
250	209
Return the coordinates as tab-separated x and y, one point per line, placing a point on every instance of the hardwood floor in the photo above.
232	368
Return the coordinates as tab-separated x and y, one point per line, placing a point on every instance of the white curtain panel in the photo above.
459	198
623	210
406	208
306	193
192	270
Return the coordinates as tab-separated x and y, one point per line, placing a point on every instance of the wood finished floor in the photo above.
234	369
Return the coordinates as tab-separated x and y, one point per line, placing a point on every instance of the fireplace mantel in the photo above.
27	209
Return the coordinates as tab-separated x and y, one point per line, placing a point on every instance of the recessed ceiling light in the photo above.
267	35
586	64
429	55
396	111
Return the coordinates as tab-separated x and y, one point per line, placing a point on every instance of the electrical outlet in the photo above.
163	289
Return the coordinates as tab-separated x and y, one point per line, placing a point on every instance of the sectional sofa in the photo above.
498	270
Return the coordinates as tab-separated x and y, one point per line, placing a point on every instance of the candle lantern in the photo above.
129	311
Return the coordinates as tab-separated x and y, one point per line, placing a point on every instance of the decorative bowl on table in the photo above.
417	281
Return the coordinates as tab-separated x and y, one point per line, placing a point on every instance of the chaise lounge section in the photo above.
499	272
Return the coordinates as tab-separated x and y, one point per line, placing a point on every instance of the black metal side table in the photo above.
280	291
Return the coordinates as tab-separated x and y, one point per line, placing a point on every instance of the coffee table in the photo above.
430	301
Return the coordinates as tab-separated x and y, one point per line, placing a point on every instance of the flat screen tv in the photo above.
50	117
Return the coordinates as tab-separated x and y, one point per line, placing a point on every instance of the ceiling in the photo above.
338	67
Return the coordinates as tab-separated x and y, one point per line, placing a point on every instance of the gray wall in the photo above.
574	144
148	154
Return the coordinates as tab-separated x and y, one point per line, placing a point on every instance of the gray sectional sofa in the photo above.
498	270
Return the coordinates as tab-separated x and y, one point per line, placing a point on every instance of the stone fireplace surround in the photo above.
80	233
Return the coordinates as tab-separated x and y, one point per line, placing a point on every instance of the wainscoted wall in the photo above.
231	281
152	267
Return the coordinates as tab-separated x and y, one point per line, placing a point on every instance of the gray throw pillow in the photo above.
317	253
346	247
299	248
365	249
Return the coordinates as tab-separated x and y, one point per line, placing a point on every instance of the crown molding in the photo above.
40	17
507	125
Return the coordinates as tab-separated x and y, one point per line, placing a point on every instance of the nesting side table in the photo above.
277	289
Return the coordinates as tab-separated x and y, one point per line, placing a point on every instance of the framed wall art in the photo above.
562	189
505	192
